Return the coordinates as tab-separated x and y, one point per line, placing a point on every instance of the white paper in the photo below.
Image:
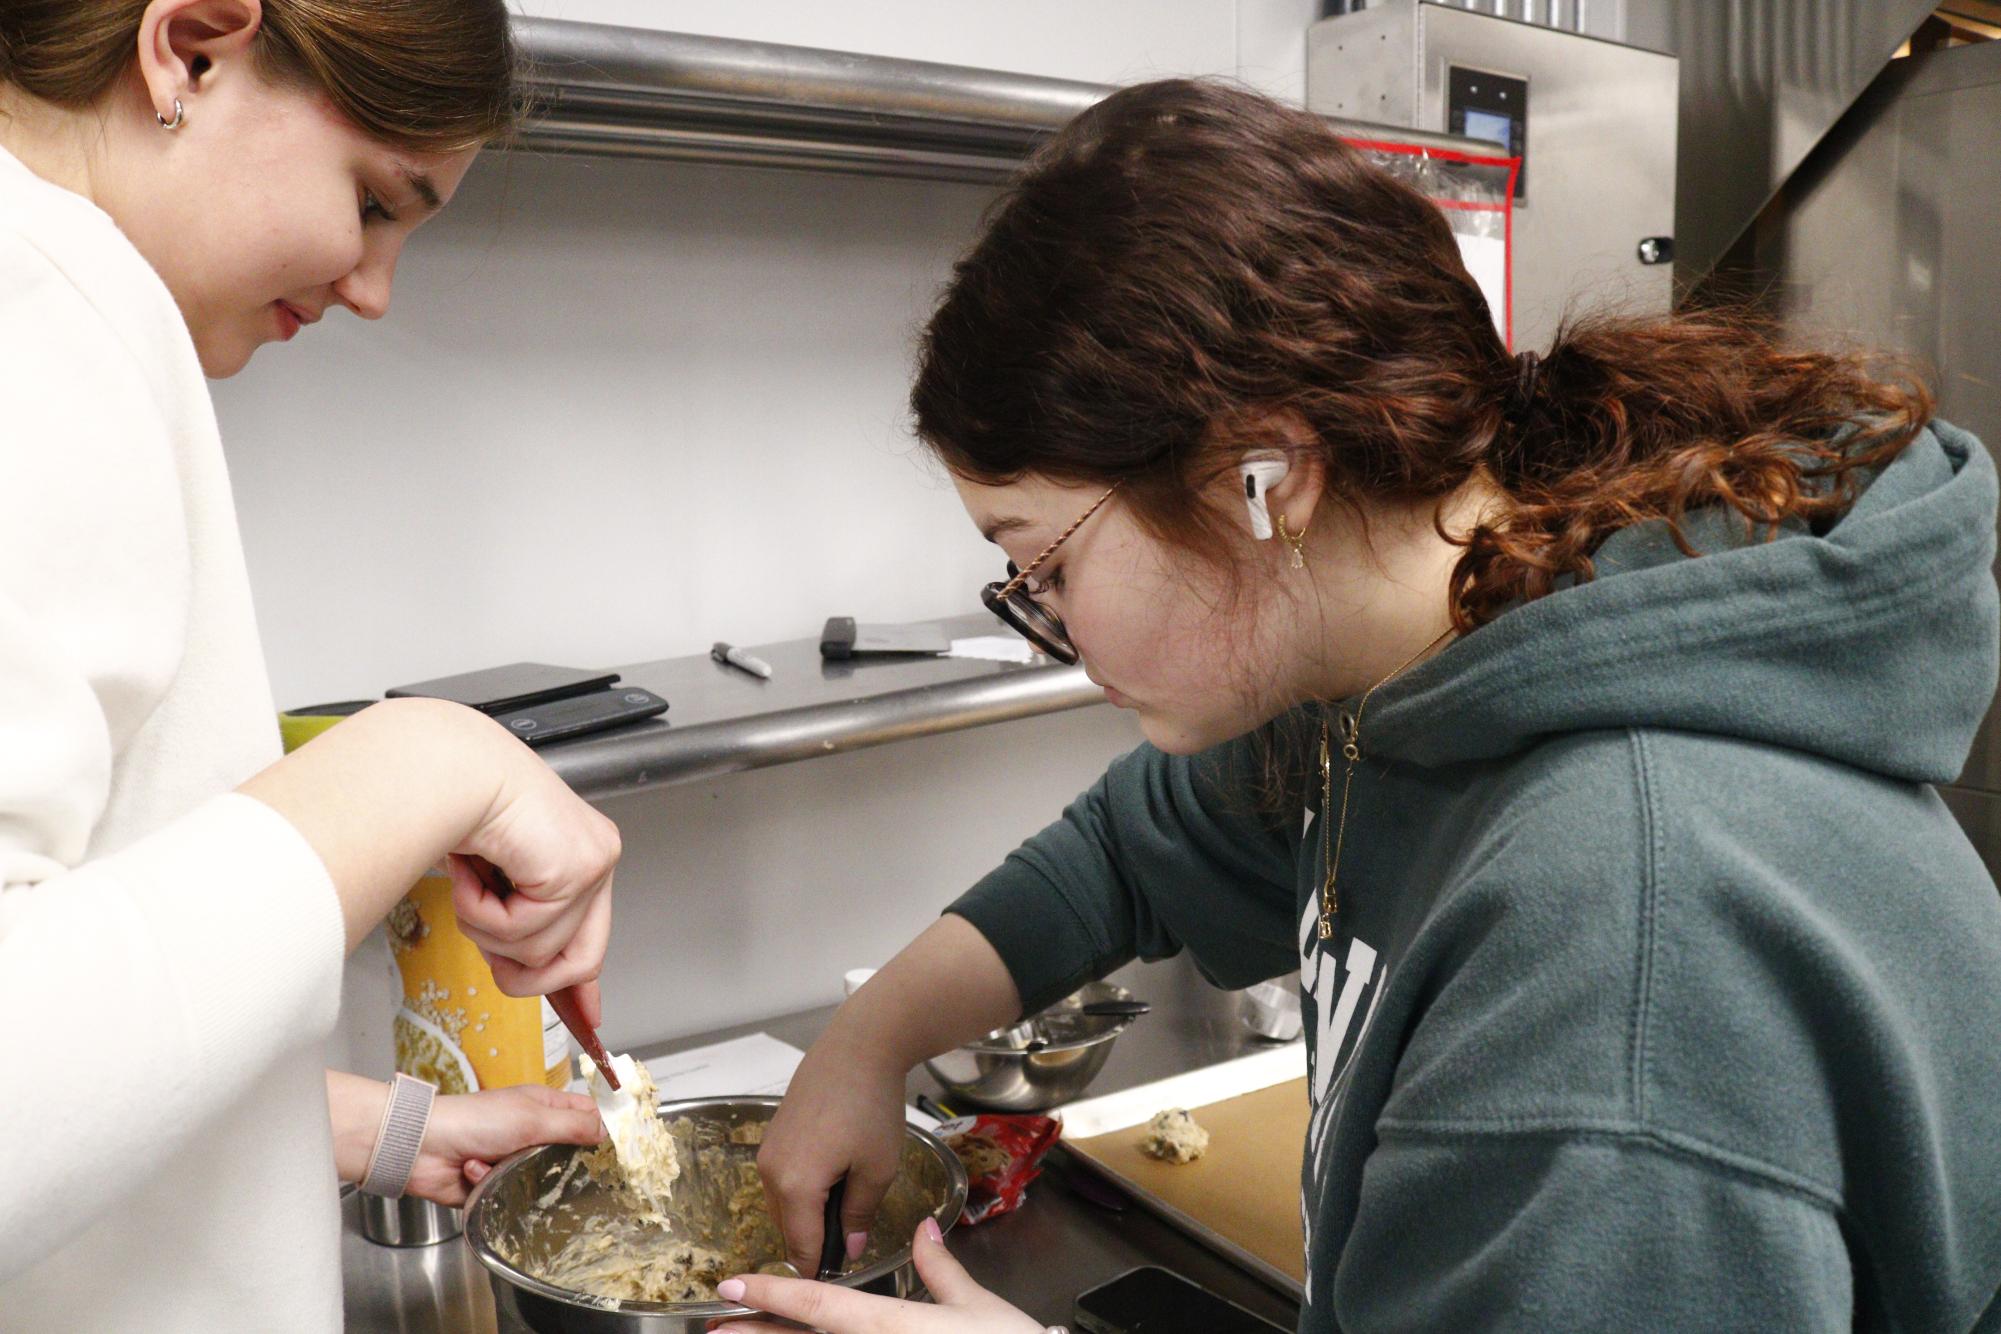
1193	1089
992	648
758	1065
1486	258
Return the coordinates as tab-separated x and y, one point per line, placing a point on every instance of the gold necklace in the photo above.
1351	750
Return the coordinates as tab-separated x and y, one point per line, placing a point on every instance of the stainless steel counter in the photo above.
1039	1258
721	720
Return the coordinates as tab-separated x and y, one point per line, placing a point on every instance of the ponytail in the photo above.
1631	420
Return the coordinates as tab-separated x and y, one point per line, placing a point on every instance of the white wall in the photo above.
621	410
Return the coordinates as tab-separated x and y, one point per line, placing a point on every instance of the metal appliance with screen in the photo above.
1601	143
1483	105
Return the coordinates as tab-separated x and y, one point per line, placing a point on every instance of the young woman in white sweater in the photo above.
181	182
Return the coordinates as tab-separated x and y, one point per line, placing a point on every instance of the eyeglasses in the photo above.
1013	602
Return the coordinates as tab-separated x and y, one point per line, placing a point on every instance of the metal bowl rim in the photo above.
476	1209
1077	1044
1119	1026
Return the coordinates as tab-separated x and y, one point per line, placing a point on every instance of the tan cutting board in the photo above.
1245	1189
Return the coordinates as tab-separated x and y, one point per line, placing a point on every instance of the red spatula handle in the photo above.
563	1001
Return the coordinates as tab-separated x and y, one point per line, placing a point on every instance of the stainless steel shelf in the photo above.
640	93
723	721
634	92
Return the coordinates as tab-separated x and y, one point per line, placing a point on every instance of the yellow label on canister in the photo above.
455	1028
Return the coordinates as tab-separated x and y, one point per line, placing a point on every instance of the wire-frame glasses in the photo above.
1013	599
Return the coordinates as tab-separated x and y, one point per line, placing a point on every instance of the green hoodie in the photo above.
1665	992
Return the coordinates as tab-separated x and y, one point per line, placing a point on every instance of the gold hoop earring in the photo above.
180	117
1297	541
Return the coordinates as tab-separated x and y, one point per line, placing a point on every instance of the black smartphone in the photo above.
1152	1300
509	689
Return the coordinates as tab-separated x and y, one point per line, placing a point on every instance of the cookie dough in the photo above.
1173	1137
626	1261
639	1149
646	1248
633	1254
981	1155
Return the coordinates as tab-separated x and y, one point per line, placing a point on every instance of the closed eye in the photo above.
373	208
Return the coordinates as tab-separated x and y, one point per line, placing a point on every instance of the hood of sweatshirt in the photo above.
1874	643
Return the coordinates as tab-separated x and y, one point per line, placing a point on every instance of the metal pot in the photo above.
502	1220
1043	1061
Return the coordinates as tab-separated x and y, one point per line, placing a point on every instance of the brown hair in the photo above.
1187	254
424	75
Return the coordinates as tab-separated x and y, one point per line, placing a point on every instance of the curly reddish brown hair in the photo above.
1187	256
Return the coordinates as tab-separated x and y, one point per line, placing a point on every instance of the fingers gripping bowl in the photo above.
518	1225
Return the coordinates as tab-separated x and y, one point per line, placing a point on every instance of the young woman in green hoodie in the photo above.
1570	723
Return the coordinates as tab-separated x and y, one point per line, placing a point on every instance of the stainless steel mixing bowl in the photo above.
999	1072
502	1220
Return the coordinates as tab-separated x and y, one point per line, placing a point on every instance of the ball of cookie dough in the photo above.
1173	1137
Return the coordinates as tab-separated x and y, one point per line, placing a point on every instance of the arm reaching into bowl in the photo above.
962	1306
844	1110
1155	857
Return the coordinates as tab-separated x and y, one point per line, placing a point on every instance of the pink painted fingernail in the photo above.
730	1289
857	1243
933	1231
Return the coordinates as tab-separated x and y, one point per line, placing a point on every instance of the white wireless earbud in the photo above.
1260	473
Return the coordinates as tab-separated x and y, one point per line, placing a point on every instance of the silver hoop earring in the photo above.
180	117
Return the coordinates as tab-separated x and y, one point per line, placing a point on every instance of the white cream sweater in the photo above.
170	952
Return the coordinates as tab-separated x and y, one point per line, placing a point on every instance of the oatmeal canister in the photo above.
454	1027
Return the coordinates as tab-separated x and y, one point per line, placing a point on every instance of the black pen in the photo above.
743	662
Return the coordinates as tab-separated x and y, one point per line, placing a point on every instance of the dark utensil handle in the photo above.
563	1000
833	1241
1115	1009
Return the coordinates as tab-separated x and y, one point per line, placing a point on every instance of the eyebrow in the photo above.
1000	528
426	191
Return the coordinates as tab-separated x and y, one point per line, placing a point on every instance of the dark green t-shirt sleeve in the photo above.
1572	1231
1162	852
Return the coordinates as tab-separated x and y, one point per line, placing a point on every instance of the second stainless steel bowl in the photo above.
1001	1073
